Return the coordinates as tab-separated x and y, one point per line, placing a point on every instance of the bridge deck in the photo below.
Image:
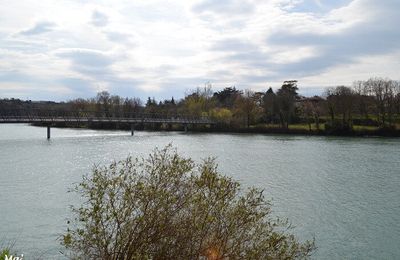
50	116
103	120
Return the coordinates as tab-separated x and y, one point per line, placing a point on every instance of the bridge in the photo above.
52	117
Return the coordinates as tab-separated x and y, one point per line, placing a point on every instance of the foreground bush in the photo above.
167	207
4	253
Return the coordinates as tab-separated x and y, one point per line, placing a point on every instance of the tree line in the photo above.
371	103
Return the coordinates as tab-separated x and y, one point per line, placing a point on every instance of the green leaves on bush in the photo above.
167	207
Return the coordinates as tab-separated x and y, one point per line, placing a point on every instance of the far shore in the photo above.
295	129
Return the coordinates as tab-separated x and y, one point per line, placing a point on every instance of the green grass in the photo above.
291	126
314	127
304	127
364	128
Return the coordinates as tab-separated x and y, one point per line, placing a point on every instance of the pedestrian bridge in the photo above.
51	117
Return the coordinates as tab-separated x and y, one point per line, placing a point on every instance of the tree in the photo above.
227	96
270	105
199	102
345	101
116	105
397	99
286	97
103	102
311	110
330	103
168	207
308	112
221	115
151	105
131	106
247	109
362	99
340	101
384	92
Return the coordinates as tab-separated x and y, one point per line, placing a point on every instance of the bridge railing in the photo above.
93	115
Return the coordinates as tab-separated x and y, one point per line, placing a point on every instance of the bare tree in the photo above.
384	91
287	96
103	103
247	108
340	100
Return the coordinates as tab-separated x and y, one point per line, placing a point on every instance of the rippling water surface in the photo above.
345	192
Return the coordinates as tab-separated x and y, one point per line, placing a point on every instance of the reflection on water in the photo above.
343	191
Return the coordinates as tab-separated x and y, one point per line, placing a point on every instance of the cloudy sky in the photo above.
58	50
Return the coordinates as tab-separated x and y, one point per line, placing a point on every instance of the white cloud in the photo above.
163	48
99	19
39	28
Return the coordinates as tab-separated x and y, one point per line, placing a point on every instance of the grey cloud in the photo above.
79	87
339	48
312	91
22	46
39	28
224	6
15	76
251	79
177	86
242	51
87	58
169	11
97	66
89	62
233	44
253	59
313	6
377	36
126	87
99	19
121	38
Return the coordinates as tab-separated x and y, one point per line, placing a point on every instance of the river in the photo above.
345	192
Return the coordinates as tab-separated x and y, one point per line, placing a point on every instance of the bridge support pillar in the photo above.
185	127
48	132
132	129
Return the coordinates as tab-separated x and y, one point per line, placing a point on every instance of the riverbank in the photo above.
295	129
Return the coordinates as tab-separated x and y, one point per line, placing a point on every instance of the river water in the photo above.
345	192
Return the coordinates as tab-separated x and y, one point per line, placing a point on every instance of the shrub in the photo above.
167	207
4	253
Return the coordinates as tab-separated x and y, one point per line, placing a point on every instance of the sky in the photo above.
65	49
